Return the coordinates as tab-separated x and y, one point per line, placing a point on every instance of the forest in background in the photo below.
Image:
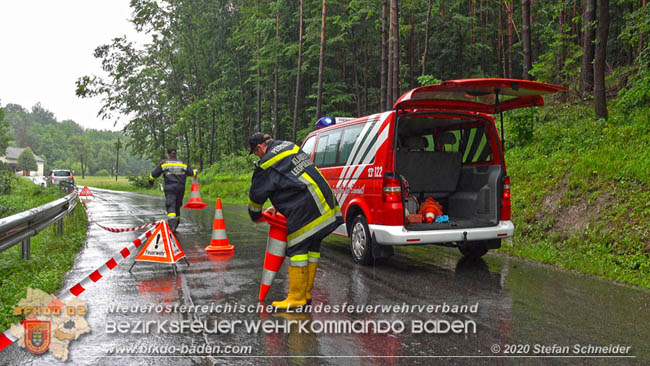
67	145
217	70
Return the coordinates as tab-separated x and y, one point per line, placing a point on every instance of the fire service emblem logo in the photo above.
37	335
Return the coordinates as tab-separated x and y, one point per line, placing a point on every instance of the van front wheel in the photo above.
473	249
360	241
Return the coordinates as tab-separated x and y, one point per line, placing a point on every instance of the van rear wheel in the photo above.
473	249
360	241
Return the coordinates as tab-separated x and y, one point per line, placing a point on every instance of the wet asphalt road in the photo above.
518	302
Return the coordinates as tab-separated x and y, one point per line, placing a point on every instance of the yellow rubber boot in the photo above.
311	275
297	289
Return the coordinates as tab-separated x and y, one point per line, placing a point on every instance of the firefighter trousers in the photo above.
304	252
173	203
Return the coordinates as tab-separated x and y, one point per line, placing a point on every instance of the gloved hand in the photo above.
195	172
150	183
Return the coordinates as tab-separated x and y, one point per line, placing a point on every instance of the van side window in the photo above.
350	135
308	146
320	150
472	144
327	148
332	148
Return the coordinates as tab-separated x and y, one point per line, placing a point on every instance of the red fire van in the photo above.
439	146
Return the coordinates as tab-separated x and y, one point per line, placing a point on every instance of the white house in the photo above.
11	158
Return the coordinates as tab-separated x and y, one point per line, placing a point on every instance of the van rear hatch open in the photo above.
447	149
477	95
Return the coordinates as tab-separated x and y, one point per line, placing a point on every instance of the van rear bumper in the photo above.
398	235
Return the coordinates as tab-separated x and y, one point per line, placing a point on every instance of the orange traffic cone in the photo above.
219	242
195	201
276	248
430	210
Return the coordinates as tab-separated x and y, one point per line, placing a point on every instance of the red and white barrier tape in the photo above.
7	339
112	229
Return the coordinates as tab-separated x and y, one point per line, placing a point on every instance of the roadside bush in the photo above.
102	173
522	124
636	96
238	163
139	181
228	178
7	181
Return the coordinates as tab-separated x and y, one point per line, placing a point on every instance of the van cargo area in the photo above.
453	161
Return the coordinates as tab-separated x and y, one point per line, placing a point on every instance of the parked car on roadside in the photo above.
55	177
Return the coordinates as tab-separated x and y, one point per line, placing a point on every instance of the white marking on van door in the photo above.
383	136
353	153
352	167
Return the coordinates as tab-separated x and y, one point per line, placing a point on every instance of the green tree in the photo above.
26	160
215	70
4	135
83	151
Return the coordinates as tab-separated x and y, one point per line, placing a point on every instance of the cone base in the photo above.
264	289
220	249
196	205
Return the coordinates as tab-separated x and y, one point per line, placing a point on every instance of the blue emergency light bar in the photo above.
324	122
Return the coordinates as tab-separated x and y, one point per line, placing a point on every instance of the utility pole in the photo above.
118	145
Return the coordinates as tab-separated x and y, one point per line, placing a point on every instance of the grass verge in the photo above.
122	184
26	195
51	255
581	192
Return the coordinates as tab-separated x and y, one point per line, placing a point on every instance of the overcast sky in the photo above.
45	45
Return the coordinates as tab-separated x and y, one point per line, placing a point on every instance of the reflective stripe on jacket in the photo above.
175	173
297	189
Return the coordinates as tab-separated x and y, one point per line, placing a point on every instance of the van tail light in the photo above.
505	200
392	190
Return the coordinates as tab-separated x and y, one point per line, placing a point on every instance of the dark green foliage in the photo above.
580	192
636	96
196	85
7	180
4	132
50	139
522	124
139	181
230	178
636	29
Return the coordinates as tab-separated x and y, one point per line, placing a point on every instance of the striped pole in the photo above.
276	249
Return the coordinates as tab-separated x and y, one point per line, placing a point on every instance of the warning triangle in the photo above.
85	192
162	246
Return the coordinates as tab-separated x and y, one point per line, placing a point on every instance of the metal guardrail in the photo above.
22	226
